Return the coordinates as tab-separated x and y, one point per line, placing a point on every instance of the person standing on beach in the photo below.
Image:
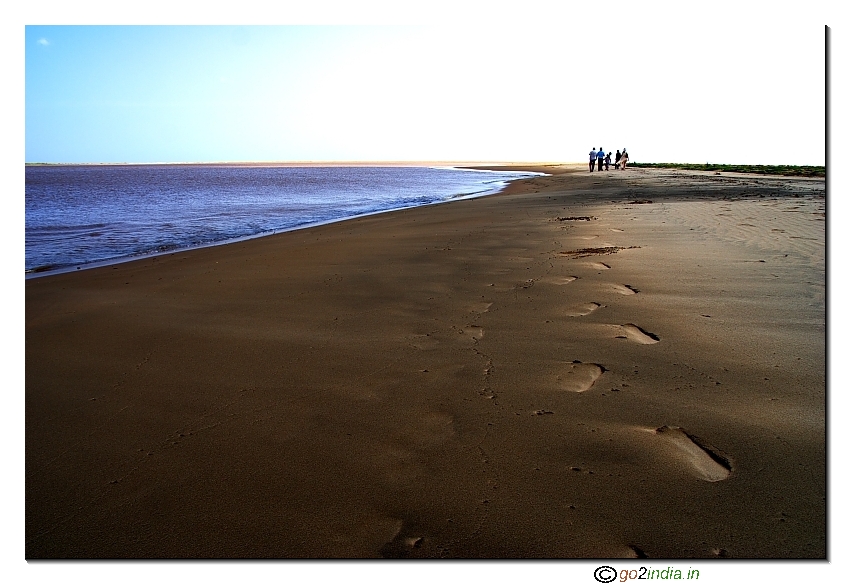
600	157
624	159
617	160
607	161
592	159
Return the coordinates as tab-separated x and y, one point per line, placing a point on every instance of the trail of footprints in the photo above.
578	377
702	460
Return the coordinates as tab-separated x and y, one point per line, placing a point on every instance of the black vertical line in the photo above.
827	270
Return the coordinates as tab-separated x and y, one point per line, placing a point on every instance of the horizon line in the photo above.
377	163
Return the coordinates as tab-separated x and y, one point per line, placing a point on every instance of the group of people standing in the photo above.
597	158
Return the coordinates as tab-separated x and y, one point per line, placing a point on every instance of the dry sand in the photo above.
562	370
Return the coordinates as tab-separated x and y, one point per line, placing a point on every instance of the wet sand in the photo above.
616	364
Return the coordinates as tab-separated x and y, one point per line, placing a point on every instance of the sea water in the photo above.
82	216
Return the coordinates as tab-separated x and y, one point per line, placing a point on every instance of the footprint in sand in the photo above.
472	331
638	334
564	280
704	461
583	309
404	544
480	307
625	290
579	376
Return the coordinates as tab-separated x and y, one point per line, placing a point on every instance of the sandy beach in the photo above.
616	364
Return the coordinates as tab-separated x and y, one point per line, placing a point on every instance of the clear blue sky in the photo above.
546	91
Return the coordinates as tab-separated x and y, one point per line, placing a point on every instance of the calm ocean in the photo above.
80	216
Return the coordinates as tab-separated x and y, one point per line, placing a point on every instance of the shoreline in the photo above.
301	164
46	271
615	365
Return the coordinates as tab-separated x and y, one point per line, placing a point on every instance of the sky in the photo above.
726	91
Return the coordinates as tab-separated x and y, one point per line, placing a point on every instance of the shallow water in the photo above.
83	215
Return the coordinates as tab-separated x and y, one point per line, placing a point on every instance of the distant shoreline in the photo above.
303	164
781	170
764	169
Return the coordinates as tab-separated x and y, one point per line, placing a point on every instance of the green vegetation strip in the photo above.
819	171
